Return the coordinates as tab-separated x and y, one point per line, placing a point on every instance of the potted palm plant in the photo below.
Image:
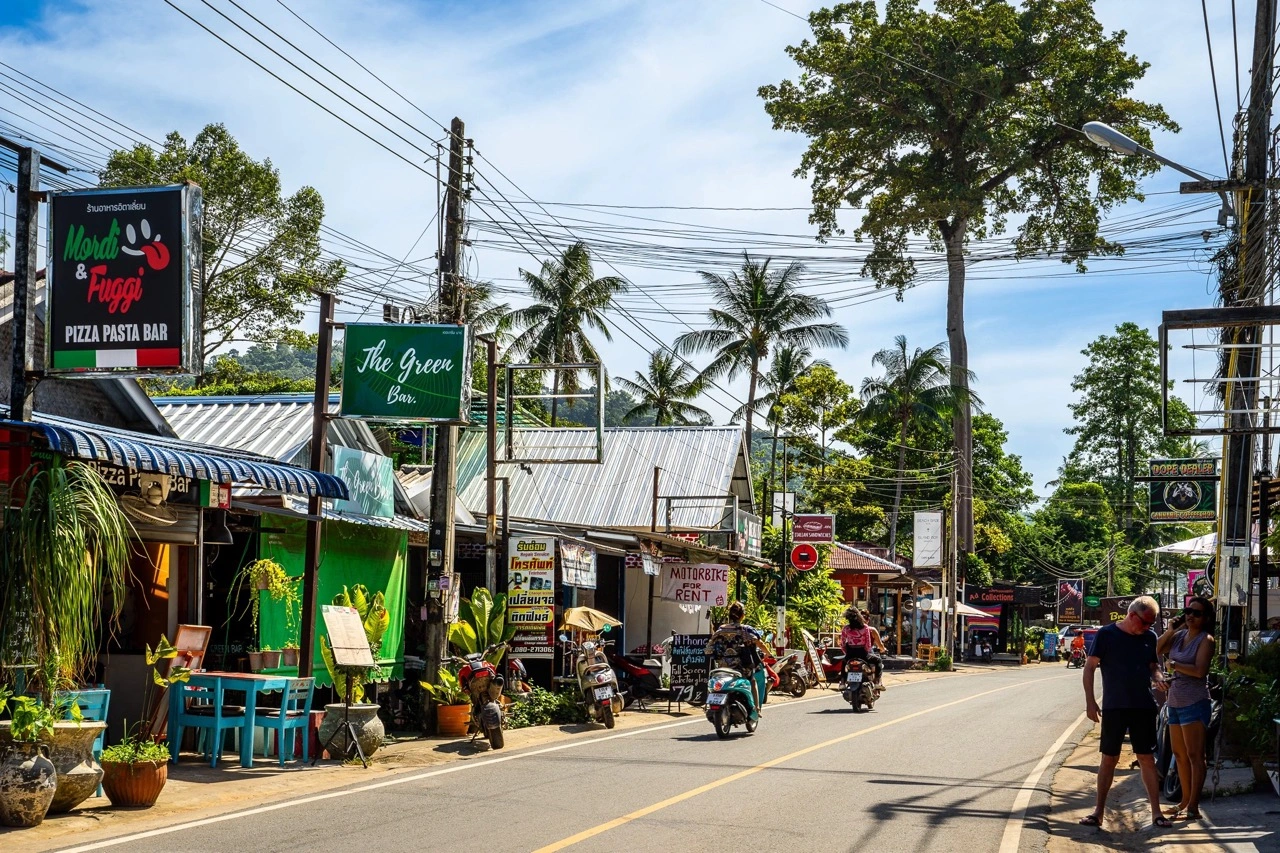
28	779
453	706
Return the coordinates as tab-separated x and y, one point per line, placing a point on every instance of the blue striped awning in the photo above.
168	456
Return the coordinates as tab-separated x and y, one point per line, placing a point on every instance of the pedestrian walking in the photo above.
1189	644
1126	652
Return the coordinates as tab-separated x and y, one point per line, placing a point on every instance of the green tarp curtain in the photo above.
349	554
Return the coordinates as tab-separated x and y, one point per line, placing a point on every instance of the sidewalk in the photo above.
196	791
1236	819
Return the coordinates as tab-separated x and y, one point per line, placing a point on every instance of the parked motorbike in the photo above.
832	660
792	677
985	651
859	684
484	685
731	699
1076	659
1166	765
597	684
636	682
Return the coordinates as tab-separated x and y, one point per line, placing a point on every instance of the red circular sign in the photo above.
804	557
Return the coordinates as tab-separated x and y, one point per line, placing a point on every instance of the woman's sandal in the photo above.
1161	823
1091	820
1192	814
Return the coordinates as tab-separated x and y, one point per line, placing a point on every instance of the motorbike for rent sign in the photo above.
1187	490
122	271
531	596
696	583
411	372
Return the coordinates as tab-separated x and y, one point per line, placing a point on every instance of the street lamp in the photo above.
1106	136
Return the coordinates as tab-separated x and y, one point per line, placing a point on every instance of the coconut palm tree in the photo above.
758	309
568	300
789	364
915	391
665	389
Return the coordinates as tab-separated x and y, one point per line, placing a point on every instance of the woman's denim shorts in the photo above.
1197	713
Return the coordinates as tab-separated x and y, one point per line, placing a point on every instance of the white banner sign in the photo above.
700	583
927	550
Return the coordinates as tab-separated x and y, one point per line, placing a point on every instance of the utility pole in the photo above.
491	464
781	631
1264	515
315	508
440	539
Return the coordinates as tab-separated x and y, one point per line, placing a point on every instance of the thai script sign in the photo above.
370	481
813	528
688	660
578	564
416	373
696	583
927	539
1188	490
122	269
531	596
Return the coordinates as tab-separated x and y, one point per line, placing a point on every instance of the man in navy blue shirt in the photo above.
1126	651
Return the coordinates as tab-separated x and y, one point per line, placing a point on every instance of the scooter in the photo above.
792	676
636	682
1166	765
859	684
985	651
1076	660
832	661
731	699
484	685
597	684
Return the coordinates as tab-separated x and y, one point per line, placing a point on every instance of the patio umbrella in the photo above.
1198	546
935	605
588	619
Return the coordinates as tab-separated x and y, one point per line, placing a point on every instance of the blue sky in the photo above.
650	102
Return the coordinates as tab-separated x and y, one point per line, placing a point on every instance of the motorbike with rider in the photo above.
860	641
736	685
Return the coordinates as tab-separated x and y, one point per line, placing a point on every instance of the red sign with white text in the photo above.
804	557
813	528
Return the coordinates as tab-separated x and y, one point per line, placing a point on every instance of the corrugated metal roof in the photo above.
619	491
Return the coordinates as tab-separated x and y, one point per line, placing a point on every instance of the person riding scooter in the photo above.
858	640
739	647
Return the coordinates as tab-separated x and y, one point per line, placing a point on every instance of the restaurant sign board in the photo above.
413	372
123	277
1183	490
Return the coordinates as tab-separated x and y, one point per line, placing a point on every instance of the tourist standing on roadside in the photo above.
1189	645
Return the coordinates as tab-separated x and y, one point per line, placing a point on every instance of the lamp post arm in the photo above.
1147	152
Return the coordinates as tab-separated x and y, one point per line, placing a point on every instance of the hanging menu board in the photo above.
347	638
688	660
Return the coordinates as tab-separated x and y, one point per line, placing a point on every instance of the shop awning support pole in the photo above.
315	506
653	528
491	465
897	618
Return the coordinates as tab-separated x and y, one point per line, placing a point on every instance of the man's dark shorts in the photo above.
1140	723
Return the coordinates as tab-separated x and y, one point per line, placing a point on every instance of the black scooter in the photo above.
1166	765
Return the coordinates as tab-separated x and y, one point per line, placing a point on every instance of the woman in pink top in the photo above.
856	638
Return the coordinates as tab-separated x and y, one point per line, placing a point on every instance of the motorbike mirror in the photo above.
606	629
564	638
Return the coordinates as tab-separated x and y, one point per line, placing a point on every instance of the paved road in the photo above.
937	766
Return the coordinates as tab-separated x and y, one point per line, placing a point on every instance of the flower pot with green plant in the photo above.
28	779
135	770
363	716
255	657
270	658
453	705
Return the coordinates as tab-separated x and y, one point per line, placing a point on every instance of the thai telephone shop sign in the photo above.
1187	490
419	372
123	274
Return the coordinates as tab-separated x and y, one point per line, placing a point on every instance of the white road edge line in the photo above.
1013	826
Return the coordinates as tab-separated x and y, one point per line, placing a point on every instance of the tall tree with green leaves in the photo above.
819	402
758	309
665	390
568	302
916	390
787	365
944	122
260	249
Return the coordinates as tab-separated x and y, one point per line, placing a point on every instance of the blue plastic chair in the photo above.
93	704
294	713
203	708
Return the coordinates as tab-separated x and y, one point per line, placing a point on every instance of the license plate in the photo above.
717	698
604	692
854	678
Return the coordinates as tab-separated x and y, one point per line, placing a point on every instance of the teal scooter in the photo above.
731	700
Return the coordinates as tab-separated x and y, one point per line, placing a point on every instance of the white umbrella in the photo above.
1199	546
935	605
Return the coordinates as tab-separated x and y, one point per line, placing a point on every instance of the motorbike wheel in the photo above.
796	686
496	739
1171	787
722	722
606	716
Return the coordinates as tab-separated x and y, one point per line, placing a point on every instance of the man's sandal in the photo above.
1161	823
1091	820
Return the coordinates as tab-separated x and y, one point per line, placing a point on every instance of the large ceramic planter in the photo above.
364	719
71	751
28	782
137	784
452	720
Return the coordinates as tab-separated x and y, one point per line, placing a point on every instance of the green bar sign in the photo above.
407	372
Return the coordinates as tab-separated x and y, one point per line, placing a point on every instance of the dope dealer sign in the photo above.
121	267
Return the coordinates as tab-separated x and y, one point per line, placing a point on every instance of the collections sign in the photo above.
987	596
1187	490
1071	601
407	372
578	564
531	596
370	481
122	269
813	528
927	538
700	583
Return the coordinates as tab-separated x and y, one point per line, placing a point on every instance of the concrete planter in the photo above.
71	751
28	782
364	719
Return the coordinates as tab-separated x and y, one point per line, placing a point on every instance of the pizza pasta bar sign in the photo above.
123	270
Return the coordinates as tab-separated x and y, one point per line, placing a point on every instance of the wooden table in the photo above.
252	684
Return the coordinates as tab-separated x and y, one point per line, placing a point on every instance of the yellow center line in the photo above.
750	771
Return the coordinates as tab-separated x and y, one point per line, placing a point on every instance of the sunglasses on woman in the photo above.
1192	611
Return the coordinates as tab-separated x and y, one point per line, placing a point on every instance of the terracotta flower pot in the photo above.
289	657
137	784
255	661
270	660
28	782
452	720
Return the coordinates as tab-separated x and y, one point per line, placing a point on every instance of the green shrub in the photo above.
943	662
544	708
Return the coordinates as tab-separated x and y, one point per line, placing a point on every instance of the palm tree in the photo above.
756	310
568	300
665	390
915	391
789	364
